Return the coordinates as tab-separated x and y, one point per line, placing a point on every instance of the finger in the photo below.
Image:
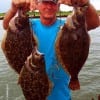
15	3
66	2
22	3
33	5
27	4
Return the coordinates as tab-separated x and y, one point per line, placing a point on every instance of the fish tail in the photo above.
74	84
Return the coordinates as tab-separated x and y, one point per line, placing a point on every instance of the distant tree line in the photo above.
36	14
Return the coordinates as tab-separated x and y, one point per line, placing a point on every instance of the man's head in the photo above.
48	8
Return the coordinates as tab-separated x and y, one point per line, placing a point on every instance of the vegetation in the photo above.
2	14
36	14
98	12
61	13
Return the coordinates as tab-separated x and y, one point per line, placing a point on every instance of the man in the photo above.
46	29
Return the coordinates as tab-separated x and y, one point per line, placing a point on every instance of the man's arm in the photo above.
92	18
26	5
11	13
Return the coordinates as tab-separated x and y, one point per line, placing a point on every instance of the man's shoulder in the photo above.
60	21
36	24
35	20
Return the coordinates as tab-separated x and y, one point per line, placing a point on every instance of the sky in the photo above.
5	5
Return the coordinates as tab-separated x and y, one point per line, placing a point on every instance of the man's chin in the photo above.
49	17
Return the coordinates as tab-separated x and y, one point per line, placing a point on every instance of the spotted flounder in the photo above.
72	45
33	78
18	41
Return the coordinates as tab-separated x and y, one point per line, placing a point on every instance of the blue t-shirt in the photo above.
46	36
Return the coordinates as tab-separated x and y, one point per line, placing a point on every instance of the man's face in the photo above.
48	9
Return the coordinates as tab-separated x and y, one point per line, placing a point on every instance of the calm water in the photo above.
89	76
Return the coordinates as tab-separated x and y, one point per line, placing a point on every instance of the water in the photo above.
9	89
89	76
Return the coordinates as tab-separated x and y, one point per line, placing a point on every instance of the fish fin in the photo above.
74	85
3	42
70	23
20	74
50	86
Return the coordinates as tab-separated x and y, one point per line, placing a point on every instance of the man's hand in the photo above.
33	5
26	5
73	2
66	2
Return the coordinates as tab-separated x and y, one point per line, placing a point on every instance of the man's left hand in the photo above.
73	2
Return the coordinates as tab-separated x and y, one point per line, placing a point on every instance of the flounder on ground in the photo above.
19	41
33	78
72	45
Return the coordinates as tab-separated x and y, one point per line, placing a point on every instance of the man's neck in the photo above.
47	21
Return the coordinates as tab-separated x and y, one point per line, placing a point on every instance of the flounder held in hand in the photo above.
33	79
18	41
72	45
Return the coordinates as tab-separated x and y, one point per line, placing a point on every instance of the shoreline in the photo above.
36	14
1	17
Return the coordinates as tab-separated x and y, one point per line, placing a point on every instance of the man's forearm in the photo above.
92	18
11	13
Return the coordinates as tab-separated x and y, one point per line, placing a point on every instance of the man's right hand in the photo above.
26	5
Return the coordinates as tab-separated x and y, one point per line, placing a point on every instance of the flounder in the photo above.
18	41
33	78
72	45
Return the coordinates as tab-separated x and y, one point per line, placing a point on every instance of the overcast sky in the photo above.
5	5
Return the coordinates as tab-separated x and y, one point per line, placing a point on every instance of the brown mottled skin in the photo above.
72	45
17	44
33	79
